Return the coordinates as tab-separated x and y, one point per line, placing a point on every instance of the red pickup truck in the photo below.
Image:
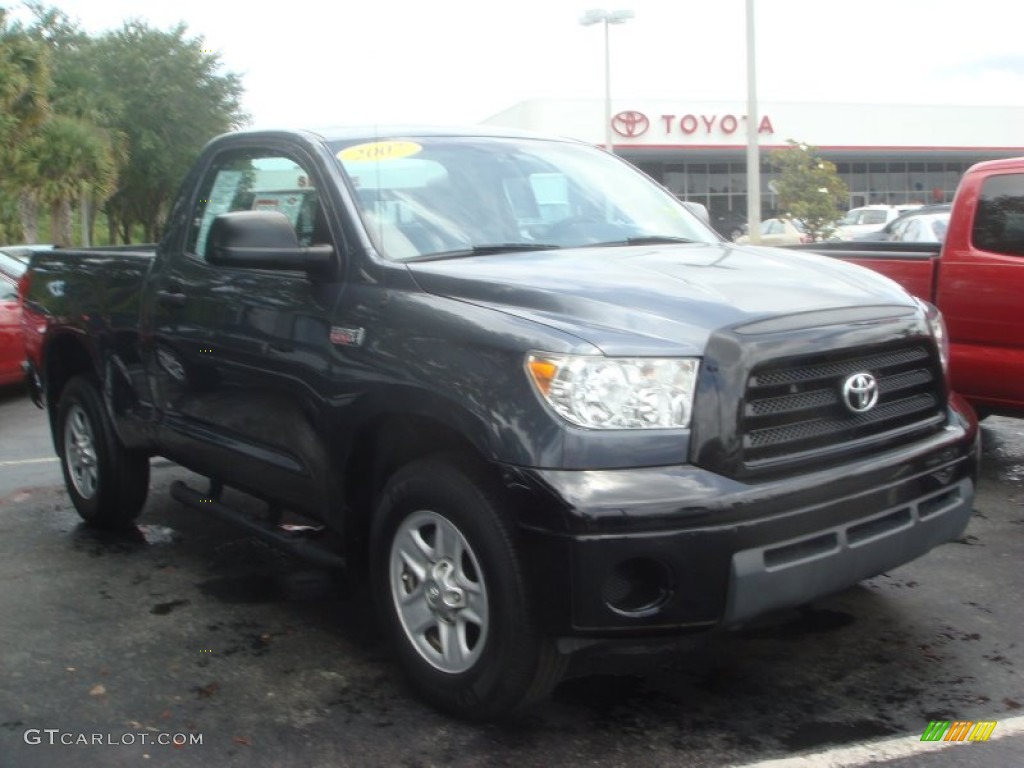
976	278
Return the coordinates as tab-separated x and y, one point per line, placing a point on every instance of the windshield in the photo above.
443	196
864	216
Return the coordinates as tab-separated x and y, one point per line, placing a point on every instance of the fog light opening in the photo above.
637	587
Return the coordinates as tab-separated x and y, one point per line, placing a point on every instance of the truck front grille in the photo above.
794	409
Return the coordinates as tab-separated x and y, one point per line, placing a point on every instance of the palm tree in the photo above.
68	156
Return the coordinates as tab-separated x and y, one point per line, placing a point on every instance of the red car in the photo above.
13	263
11	349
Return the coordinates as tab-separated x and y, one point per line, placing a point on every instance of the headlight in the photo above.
938	329
616	392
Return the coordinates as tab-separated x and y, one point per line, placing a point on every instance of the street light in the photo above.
753	150
599	16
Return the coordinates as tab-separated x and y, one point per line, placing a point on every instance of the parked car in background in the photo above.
11	348
869	218
14	262
730	225
780	232
927	228
886	233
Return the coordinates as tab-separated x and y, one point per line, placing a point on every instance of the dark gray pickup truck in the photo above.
535	398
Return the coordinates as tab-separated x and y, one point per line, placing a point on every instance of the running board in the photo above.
297	544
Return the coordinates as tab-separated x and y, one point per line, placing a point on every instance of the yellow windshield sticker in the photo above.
377	151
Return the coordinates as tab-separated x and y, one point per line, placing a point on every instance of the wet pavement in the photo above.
187	626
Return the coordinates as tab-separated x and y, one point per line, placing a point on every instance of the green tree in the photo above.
809	188
88	109
170	100
24	83
24	87
69	156
115	120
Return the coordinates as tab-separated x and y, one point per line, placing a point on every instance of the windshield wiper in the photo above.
647	240
483	250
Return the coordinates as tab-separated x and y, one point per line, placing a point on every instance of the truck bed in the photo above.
86	290
61	278
912	265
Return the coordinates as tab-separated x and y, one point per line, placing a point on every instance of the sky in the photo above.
314	64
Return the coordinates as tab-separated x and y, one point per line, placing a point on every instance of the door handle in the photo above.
171	298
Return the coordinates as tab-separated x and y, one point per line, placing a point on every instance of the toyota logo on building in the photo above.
860	392
630	124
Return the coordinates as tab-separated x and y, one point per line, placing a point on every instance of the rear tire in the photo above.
107	482
448	583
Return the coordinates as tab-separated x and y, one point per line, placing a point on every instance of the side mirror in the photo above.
698	209
263	240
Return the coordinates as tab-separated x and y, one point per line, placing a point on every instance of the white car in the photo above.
780	232
923	228
870	218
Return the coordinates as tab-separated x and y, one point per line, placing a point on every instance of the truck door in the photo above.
239	357
981	287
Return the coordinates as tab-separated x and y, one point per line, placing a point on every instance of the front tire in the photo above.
448	581
107	482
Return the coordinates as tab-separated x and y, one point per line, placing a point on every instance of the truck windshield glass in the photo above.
454	195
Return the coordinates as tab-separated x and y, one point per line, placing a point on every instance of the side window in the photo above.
999	220
253	180
8	291
897	230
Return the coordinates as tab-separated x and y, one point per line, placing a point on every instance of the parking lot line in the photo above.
28	461
893	749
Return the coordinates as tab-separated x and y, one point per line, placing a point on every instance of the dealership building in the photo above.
890	154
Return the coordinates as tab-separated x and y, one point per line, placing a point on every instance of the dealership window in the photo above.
953	173
858	181
722	186
878	182
915	173
655	170
697	179
935	179
897	183
674	179
718	177
738	178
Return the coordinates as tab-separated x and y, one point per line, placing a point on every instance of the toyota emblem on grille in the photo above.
860	392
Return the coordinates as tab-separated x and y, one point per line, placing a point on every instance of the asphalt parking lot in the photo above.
187	628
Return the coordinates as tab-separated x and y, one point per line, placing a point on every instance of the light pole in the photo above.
753	155
598	16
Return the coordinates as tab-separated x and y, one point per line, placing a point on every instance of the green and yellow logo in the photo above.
958	730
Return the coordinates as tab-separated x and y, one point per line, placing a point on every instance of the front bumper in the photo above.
670	550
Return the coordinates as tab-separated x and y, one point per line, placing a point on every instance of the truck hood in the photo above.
665	299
